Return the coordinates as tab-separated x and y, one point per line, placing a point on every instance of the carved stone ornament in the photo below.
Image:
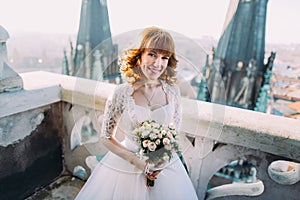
284	172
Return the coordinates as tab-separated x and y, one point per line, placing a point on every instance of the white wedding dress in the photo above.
115	178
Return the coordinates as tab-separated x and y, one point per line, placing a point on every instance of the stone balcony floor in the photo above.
64	188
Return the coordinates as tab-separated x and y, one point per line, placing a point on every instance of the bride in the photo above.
150	93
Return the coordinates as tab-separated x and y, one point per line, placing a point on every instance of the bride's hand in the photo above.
153	171
153	175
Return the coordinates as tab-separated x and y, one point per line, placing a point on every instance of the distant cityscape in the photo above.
35	52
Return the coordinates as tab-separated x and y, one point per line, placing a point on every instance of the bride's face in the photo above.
153	64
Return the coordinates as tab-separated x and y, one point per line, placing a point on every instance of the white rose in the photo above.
148	126
145	143
151	146
159	135
157	142
166	141
163	132
153	136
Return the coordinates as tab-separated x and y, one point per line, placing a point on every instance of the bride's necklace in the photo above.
151	97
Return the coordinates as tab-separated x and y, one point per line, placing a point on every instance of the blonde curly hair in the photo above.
152	38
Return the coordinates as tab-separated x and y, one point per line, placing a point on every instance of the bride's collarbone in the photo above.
158	100
153	107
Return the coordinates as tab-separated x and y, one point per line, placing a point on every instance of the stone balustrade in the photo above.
216	134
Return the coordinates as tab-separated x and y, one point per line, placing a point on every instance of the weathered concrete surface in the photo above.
32	161
17	102
15	128
64	188
74	90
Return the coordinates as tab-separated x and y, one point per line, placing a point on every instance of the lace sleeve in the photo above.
178	109
112	112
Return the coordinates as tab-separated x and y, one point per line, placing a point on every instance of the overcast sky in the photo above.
192	18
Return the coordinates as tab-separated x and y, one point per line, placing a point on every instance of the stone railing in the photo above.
216	134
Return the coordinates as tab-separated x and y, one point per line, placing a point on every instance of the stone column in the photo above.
9	79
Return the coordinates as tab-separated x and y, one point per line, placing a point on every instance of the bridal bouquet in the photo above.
157	142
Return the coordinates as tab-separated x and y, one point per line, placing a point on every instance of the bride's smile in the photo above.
153	64
153	70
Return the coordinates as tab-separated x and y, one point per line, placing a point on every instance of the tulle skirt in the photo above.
116	179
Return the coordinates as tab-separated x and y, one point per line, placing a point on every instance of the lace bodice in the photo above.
121	110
